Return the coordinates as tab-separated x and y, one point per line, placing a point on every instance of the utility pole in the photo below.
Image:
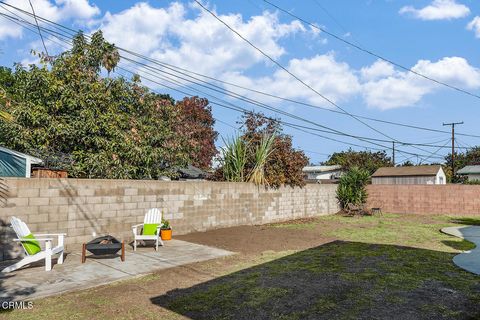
393	153
453	144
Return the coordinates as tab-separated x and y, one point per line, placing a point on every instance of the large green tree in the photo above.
366	160
94	126
462	159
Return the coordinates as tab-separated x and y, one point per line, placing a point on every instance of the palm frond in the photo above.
262	153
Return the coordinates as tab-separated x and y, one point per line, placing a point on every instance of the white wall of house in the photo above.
404	180
326	175
440	178
473	176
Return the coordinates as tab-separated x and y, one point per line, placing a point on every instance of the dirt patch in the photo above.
257	239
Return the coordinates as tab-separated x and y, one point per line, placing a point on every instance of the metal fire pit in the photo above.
101	246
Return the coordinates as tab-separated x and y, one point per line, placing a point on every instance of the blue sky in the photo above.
438	38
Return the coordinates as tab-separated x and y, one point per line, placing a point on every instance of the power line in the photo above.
341	141
286	70
373	53
334	19
330	131
434	153
246	111
293	75
176	68
242	110
39	32
218	104
245	99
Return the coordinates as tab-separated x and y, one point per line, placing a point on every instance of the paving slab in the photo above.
468	260
34	282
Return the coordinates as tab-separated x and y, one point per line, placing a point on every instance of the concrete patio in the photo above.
34	282
468	260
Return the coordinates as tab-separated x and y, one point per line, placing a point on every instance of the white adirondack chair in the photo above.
46	254
153	216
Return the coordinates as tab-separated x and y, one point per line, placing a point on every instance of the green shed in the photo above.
16	164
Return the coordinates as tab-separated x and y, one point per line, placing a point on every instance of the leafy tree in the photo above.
6	80
196	125
367	160
462	159
105	127
351	188
407	163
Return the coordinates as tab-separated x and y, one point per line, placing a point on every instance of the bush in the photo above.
472	182
351	188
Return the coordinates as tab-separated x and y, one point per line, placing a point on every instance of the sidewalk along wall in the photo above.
450	199
84	207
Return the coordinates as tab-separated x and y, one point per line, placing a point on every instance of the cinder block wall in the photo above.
451	199
82	207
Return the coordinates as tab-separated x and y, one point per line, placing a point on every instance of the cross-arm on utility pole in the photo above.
453	143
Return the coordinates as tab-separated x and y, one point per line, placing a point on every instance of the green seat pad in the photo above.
150	229
32	246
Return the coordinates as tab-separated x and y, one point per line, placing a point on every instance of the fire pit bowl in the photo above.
101	246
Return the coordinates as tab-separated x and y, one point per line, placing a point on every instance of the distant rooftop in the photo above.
469	170
191	172
321	168
33	160
407	171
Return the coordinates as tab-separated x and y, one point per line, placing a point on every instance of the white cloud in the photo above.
77	9
393	92
142	28
60	10
379	69
200	43
188	37
438	10
403	89
474	25
453	70
335	80
9	29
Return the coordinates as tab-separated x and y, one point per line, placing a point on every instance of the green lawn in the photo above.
346	280
387	267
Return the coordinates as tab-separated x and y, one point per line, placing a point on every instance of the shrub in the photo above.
262	154
234	158
351	188
238	152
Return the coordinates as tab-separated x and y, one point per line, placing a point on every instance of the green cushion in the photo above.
32	246
150	229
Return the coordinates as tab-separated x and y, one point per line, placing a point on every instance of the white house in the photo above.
323	174
410	175
472	172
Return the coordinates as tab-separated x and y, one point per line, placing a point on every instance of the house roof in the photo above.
321	168
407	171
33	160
469	170
191	172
